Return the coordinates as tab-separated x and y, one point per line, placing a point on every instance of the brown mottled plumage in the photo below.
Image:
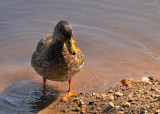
52	60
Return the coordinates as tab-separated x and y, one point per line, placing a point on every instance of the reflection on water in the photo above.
26	97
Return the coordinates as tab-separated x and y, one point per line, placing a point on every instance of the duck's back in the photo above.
43	43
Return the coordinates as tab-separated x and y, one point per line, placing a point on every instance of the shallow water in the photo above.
120	39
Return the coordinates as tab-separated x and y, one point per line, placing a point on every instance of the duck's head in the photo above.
63	33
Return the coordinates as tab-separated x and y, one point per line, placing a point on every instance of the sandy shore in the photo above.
129	98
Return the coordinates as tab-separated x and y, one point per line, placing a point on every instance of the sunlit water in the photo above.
119	38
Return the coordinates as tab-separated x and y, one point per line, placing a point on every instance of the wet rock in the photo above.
64	99
118	94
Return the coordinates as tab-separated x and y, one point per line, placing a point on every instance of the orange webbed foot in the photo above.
71	94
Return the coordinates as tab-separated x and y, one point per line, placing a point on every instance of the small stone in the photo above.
97	96
158	111
111	98
110	105
81	102
64	99
117	107
133	102
127	104
157	90
130	99
104	96
91	102
118	94
121	109
98	108
146	92
143	110
120	112
93	94
78	109
153	89
110	91
76	99
83	110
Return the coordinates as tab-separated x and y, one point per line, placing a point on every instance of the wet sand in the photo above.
120	39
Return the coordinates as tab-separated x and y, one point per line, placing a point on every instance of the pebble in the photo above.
83	110
64	99
110	105
120	112
117	107
121	109
110	91
76	99
98	108
133	102
118	94
111	98
97	96
93	94
127	104
91	102
146	92
153	89
104	96
78	109
130	99
158	111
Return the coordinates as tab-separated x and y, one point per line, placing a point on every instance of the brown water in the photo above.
119	38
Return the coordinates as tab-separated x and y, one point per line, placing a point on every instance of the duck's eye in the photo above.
69	43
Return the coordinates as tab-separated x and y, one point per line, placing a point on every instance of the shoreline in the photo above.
130	97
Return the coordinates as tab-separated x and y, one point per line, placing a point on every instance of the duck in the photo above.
57	56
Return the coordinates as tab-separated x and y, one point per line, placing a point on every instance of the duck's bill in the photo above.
70	46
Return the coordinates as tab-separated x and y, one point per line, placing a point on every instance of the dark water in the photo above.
119	38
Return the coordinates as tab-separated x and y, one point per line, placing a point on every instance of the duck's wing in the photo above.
43	43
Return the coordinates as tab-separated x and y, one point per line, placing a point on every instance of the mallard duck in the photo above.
57	56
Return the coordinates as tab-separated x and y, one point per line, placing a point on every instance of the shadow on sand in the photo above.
26	97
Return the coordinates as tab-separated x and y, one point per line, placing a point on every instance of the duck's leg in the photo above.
70	89
44	82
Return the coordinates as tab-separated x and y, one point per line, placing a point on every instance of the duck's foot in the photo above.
71	94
